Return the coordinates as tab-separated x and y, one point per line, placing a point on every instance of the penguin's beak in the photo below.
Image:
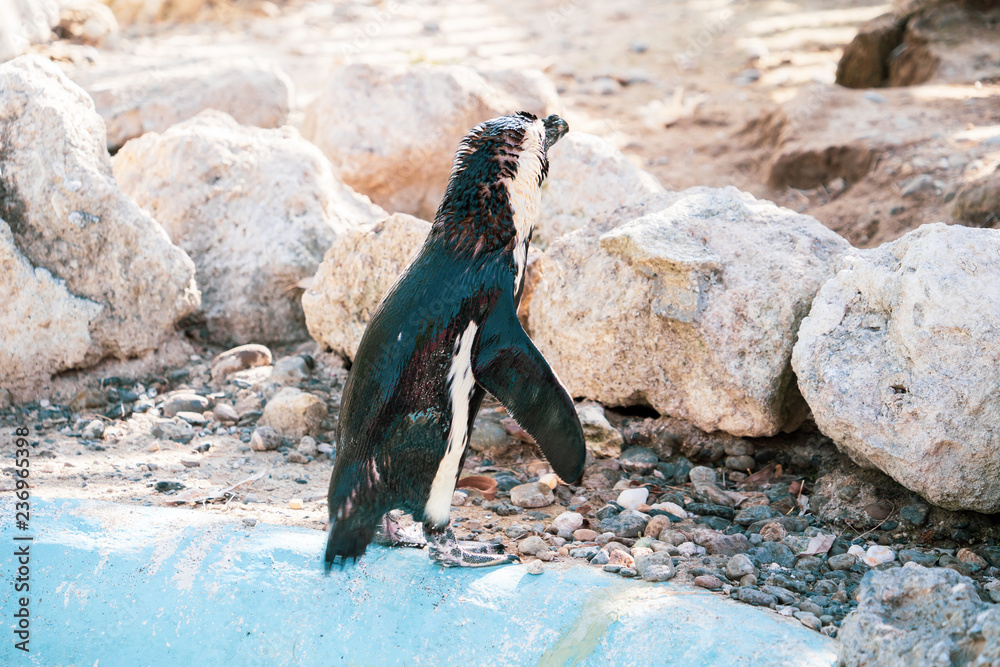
555	127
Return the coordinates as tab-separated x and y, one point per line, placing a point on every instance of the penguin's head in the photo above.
493	194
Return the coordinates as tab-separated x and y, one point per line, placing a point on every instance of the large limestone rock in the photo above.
948	42
587	176
134	100
256	209
688	303
978	203
828	132
938	41
43	326
898	360
87	21
865	63
920	616
25	22
391	132
81	258
357	271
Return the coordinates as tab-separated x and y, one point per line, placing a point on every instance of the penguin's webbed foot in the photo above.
391	533
481	547
449	552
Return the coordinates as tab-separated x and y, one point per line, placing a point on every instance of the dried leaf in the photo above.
762	477
803	502
819	544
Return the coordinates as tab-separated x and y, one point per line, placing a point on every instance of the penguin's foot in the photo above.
449	552
392	533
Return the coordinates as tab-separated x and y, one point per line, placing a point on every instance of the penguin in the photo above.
443	335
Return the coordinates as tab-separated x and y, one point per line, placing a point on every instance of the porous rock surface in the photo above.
392	132
256	209
587	176
828	132
357	271
135	99
688	303
920	616
92	275
898	360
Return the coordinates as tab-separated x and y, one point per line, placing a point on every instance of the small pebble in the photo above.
809	620
877	555
265	439
773	532
531	545
842	561
619	557
970	557
165	486
193	418
535	567
569	521
531	495
708	581
738	566
93	430
295	504
632	498
600	558
225	412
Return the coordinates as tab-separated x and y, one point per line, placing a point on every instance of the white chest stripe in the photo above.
521	258
461	383
526	194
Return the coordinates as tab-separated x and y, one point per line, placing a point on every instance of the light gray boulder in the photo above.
587	176
135	99
256	209
898	360
43	325
920	616
88	21
689	303
602	439
91	274
356	272
391	132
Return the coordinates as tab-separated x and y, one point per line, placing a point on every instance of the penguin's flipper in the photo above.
508	365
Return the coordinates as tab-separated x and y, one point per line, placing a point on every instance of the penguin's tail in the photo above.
347	540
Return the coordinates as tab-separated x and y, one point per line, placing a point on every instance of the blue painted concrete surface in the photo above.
122	585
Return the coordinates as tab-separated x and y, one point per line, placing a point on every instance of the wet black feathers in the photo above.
475	214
